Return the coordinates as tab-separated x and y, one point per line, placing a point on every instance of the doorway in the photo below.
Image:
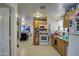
8	34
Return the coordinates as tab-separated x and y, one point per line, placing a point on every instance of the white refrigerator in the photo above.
73	48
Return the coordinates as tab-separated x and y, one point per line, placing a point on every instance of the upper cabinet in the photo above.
40	21
66	22
36	23
68	16
70	13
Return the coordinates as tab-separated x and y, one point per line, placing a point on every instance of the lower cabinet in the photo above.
52	39
60	46
36	39
66	46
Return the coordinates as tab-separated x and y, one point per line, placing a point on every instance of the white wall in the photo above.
53	24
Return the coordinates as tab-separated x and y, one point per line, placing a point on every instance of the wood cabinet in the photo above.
52	39
36	39
65	47
66	21
67	17
36	23
62	46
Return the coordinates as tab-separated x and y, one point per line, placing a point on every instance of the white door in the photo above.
4	31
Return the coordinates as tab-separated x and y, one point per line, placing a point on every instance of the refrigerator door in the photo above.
73	48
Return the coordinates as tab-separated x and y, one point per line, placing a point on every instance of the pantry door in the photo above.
4	32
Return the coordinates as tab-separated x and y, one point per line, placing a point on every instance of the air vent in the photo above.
42	7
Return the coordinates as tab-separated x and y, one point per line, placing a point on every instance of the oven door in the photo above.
43	39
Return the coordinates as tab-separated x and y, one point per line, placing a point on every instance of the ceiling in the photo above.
52	10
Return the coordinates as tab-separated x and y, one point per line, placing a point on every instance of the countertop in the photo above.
63	39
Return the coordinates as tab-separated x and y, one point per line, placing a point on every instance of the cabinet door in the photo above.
66	21
66	47
36	23
61	46
36	39
52	39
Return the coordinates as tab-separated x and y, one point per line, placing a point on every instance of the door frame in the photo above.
13	38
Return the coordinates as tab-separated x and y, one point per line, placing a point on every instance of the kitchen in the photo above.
64	43
52	30
60	36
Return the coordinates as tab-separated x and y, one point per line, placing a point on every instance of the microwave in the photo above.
42	26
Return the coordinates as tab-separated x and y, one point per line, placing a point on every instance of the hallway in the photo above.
28	49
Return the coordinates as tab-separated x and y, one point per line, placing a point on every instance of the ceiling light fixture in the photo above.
23	23
16	15
37	14
23	19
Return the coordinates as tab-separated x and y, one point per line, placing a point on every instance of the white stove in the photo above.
43	39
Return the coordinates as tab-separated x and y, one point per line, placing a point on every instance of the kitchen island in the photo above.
60	44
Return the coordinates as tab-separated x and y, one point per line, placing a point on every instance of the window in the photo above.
61	25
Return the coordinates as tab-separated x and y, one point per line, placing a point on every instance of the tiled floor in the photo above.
28	49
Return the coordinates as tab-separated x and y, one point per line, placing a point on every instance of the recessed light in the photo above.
37	13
